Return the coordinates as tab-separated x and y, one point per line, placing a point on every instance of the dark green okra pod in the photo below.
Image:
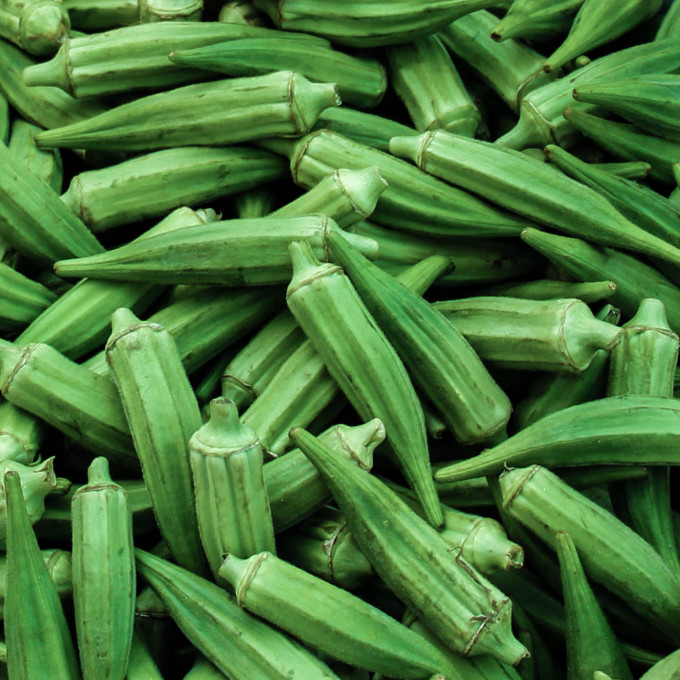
363	363
162	413
536	19
459	604
670	24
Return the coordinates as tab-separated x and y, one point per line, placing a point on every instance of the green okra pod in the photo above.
153	184
627	142
141	665
530	188
43	164
670	24
232	253
609	431
552	335
511	68
239	644
39	643
295	487
535	19
611	553
363	363
241	12
361	82
651	101
666	669
103	574
441	362
34	221
459	604
99	15
634	279
20	433
162	413
591	643
547	289
216	113
369	23
231	500
36	26
323	546
21	299
427	81
257	202
5	123
627	169
598	22
152	11
413	200
328	618
83	405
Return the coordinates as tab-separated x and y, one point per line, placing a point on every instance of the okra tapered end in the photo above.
510	26
309	99
360	441
411	148
224	425
363	187
9	356
98	472
306	267
651	314
122	320
239	572
52	73
44	26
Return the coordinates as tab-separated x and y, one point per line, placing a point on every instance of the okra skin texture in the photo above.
611	553
530	188
239	644
626	169
231	500
153	184
441	362
413	201
635	280
81	404
34	221
670	24
591	643
368	23
548	289
532	18
608	431
21	298
363	363
39	643
213	114
103	574
328	618
598	23
233	253
37	27
295	487
553	335
511	68
46	165
360	82
162	413
20	433
460	605
427	81
666	669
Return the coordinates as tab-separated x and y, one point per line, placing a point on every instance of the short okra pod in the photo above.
103	574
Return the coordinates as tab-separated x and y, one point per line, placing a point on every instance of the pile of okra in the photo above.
338	339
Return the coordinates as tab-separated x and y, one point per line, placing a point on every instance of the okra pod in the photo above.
627	169
21	298
535	19
152	11
666	669
46	165
20	434
670	24
241	12
547	289
38	27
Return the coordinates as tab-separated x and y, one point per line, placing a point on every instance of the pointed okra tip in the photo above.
512	481
306	266
98	472
122	319
650	314
360	441
363	187
224	430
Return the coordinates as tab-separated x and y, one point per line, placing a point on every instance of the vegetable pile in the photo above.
339	339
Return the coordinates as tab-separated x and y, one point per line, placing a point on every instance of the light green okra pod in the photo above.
461	606
38	27
20	433
239	644
103	574
363	363
204	670
228	111
45	165
666	669
162	413
152	11
547	289
536	19
427	81
329	618
611	553
39	644
627	169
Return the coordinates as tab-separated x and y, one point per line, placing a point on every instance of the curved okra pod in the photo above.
530	188
414	561
324	546
441	361
591	643
426	80
536	19
363	363
45	165
239	644
36	26
153	184
369	23
413	200
551	335
634	279
162	413
39	643
22	299
611	553
216	113
360	82
599	22
627	142
233	253
295	487
103	574
329	618
609	431
511	68
231	501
